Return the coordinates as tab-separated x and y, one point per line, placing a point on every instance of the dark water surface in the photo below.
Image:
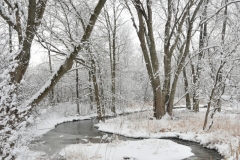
84	132
64	134
200	152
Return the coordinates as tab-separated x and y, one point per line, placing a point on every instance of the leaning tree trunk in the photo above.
219	86
25	27
11	120
212	95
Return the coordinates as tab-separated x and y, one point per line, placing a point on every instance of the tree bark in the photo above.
113	88
96	89
186	87
112	33
24	55
77	90
202	42
150	55
195	92
212	96
102	97
167	54
51	72
90	89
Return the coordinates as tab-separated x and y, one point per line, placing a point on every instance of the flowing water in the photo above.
84	132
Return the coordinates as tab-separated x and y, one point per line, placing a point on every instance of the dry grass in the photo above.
186	121
227	123
225	129
224	134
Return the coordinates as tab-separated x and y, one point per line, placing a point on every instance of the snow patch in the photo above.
153	149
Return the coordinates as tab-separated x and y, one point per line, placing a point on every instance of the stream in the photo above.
84	132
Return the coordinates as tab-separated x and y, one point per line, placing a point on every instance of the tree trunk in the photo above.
158	102
170	27
219	87
51	72
96	89
112	32
101	90
186	87
90	89
223	42
149	54
195	95
10	39
25	29
183	56
167	55
211	98
77	91
113	88
67	65
196	75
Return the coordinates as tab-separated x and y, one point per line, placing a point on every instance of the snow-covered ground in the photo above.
66	112
49	117
134	150
224	136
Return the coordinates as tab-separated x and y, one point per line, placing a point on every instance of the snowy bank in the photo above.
136	150
48	117
224	135
66	112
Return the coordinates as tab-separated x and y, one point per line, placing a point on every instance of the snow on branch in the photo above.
207	19
6	16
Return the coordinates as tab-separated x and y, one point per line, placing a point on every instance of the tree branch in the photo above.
67	65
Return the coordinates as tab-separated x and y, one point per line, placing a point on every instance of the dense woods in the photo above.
114	53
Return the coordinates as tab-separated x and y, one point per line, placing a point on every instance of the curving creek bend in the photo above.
84	132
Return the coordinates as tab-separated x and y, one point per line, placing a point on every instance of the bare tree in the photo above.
70	26
12	118
178	23
173	32
221	74
14	14
147	43
202	44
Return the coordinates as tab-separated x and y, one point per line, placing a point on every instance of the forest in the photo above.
149	70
